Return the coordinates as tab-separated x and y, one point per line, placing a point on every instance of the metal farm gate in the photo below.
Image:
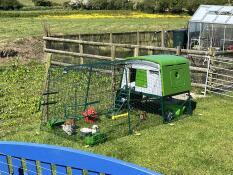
220	76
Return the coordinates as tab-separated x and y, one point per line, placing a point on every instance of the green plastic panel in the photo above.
141	78
175	79
162	60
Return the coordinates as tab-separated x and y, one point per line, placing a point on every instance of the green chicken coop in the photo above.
160	77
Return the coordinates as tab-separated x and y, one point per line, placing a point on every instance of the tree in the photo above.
42	3
162	5
10	5
149	6
176	6
122	4
192	6
98	4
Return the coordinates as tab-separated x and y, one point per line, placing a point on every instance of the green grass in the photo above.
201	144
23	24
15	28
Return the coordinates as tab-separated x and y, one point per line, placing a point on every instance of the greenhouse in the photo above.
211	27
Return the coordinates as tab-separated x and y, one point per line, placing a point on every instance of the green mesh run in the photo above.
71	90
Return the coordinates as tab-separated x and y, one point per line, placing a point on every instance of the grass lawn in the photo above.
13	28
201	144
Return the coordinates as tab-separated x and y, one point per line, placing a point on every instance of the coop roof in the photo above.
214	14
162	60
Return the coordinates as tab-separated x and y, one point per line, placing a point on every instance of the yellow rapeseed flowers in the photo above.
112	15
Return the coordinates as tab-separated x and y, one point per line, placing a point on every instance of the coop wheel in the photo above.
169	116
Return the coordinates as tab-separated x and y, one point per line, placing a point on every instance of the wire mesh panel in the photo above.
107	100
86	99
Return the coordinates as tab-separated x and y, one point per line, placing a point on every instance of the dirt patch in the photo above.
24	49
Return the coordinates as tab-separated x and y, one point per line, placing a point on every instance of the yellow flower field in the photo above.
113	15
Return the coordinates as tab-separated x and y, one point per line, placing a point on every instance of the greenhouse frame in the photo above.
211	27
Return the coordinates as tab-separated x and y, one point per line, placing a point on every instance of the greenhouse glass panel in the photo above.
211	26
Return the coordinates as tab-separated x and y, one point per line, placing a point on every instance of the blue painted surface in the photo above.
77	171
31	167
46	168
4	170
17	164
61	170
93	173
72	158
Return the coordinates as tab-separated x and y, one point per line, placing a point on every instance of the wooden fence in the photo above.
109	48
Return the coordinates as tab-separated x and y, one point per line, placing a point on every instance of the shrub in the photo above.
122	5
44	3
192	6
148	6
98	4
66	4
162	6
176	6
10	5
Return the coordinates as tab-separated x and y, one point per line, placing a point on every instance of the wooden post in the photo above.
162	38
136	51
113	53
150	52
81	50
178	51
46	28
110	38
138	38
113	57
210	71
46	86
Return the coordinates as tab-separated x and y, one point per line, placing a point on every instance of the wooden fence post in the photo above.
136	51
210	69
110	38
138	38
178	51
150	52
46	86
162	38
113	57
113	53
81	49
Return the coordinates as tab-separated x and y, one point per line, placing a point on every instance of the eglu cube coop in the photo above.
160	75
105	100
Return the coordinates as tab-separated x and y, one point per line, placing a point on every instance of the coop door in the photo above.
154	83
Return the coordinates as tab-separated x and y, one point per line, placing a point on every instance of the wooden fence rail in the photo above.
112	48
132	46
60	45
